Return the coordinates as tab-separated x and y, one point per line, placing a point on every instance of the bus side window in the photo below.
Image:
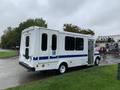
79	44
44	42
69	43
54	42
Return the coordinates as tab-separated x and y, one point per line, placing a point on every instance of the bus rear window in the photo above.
44	42
54	42
27	41
27	53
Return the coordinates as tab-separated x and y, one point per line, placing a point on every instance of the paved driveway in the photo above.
110	59
12	74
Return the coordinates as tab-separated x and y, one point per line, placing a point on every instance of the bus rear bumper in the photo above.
27	66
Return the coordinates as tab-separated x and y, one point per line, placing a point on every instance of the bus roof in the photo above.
65	32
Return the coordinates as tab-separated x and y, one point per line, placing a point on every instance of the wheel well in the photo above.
64	63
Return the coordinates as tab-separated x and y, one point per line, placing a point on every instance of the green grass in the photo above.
7	54
94	78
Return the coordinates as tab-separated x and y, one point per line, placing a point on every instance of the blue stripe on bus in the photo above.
68	56
35	58
61	56
53	57
40	58
45	57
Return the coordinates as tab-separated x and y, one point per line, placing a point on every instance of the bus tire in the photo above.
97	61
62	68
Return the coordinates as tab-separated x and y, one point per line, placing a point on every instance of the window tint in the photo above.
69	43
54	42
44	42
79	44
27	41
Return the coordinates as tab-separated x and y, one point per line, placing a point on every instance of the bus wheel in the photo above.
97	62
62	68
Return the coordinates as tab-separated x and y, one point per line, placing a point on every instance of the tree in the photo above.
12	36
32	22
71	28
7	42
87	31
76	29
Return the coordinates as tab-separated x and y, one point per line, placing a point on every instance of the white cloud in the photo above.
103	16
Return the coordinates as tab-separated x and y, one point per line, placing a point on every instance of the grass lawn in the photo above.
94	78
7	54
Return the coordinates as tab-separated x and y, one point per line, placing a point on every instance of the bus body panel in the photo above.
45	55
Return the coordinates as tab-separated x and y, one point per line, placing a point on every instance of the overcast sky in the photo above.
102	16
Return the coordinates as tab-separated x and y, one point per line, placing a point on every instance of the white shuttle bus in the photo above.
47	49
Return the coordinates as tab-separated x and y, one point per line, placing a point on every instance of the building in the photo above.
116	38
111	40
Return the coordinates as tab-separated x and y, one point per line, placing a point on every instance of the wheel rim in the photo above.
62	69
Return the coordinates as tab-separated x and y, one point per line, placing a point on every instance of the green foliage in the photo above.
71	28
89	31
12	36
76	29
7	54
9	38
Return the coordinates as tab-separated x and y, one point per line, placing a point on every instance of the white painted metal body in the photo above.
49	59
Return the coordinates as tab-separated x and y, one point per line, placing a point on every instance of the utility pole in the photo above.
118	73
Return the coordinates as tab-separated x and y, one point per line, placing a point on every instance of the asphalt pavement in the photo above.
12	74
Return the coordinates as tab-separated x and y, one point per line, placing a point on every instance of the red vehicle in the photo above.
102	50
